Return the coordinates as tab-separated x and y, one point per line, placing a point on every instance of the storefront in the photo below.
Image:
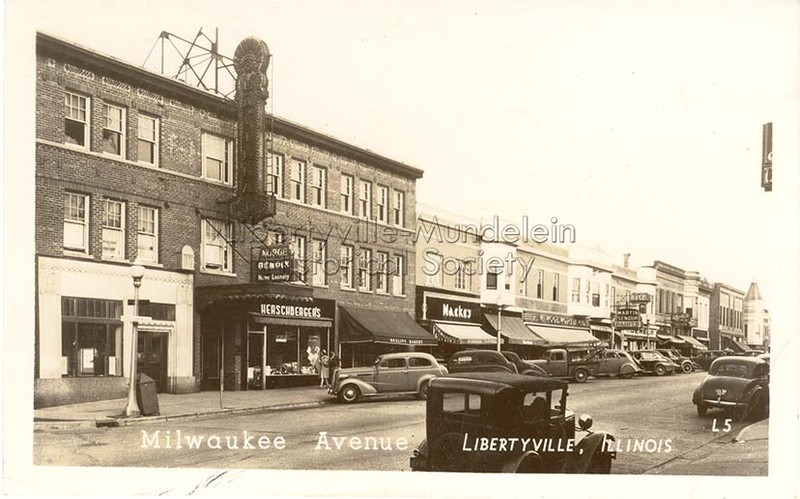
603	331
366	333
560	331
515	335
456	325
84	329
692	346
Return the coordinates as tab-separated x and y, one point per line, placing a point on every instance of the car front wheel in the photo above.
660	370
349	394
580	375
422	394
687	368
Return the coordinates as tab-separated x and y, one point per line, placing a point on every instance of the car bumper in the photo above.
722	403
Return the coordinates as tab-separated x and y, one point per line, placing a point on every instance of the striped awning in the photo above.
513	330
693	342
462	334
563	335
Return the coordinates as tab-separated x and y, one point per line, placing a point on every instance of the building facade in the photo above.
726	318
756	319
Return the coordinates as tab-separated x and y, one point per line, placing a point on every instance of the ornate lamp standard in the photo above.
500	307
137	272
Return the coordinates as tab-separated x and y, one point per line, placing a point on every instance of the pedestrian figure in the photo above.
324	369
333	363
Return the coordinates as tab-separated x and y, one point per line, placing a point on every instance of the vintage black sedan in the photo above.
653	362
502	422
738	384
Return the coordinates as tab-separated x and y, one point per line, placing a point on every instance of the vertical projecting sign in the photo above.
766	157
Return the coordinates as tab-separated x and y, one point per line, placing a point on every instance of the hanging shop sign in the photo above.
628	318
317	309
274	263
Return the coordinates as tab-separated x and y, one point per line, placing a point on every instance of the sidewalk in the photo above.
109	412
747	454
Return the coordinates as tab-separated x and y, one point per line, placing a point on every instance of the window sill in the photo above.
348	289
111	155
322	286
78	254
400	295
218	272
75	147
382	293
152	265
113	259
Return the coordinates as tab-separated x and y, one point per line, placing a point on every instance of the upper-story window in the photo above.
113	229
147	137
491	280
346	200
461	276
540	284
76	119
398	271
383	204
274	175
555	286
113	130
382	273
607	295
576	290
217	248
76	222
147	235
398	209
365	270
217	152
298	181
364	199
346	266
319	250
319	182
433	269
299	254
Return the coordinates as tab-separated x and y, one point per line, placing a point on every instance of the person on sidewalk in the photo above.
324	369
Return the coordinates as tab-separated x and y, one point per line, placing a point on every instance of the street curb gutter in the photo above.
115	423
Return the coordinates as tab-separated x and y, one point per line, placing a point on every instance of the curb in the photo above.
115	423
738	438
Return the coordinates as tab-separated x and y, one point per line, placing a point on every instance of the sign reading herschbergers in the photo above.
290	311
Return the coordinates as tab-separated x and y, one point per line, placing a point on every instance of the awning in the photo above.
693	342
381	326
738	345
663	337
514	330
462	334
290	321
676	340
703	340
563	335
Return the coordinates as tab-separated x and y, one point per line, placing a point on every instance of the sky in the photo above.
637	122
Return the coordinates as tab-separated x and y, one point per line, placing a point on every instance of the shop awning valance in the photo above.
676	340
290	321
703	340
693	342
462	334
381	326
663	337
513	330
564	335
738	345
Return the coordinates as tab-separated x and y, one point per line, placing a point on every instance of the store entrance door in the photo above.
152	357
256	345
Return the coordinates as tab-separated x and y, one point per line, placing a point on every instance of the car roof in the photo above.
736	359
400	355
494	382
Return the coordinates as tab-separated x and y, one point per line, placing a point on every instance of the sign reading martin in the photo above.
275	263
628	318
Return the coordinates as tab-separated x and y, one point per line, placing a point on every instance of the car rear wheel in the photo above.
701	409
660	370
349	394
687	367
580	375
422	394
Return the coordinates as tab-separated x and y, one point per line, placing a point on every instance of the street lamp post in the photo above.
499	325
137	272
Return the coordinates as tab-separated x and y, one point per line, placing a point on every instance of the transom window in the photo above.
113	229
217	249
217	153
147	234
274	175
76	221
298	181
76	119
113	130
147	139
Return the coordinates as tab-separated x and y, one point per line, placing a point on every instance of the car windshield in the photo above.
731	369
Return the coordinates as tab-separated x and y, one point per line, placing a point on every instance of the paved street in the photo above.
655	412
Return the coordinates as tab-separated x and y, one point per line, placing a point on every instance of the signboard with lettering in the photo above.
316	309
274	263
640	298
439	309
559	320
628	318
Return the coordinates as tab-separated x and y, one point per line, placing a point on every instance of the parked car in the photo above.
559	363
467	411
614	363
739	384
401	373
704	359
523	367
686	364
764	356
480	361
753	353
652	362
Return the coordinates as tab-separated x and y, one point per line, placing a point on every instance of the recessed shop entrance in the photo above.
152	356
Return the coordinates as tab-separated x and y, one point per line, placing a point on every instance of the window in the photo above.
113	130
147	139
76	222
297	182
398	271
383	204
364	270
113	229
91	337
461	276
607	296
76	119
217	250
540	284
465	403
274	175
555	286
318	183
319	275
419	362
433	269
383	273
491	280
346	266
147	235
346	200
299	255
587	286
365	199
613	295
275	237
576	290
398	211
217	158
392	364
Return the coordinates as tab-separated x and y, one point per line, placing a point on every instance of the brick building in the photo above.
132	166
726	318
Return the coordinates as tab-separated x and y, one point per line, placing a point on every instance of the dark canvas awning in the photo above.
693	342
360	325
462	334
564	335
663	337
513	330
290	321
738	345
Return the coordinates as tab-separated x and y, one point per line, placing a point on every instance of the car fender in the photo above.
628	368
586	449
365	388
530	459
424	379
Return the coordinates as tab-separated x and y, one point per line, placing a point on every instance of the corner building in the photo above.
133	166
